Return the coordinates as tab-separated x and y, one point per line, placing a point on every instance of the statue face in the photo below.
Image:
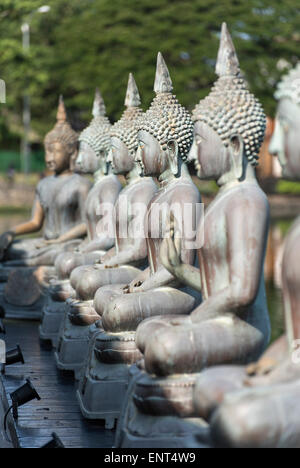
57	157
285	140
87	161
210	156
152	159
119	157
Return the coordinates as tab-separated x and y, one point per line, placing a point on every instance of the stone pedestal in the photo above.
103	386
73	339
54	309
158	413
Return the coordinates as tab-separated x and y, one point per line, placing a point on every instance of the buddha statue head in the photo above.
124	132
229	124
166	131
61	143
94	141
285	139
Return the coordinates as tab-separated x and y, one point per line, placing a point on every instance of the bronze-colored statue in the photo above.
229	128
94	145
121	263
231	325
164	140
270	411
58	206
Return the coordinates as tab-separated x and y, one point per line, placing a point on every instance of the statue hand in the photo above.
134	286
5	240
170	251
262	367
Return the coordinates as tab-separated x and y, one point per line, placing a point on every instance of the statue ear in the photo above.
236	149
173	156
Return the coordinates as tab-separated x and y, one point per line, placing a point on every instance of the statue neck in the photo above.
229	179
98	175
134	175
65	172
168	176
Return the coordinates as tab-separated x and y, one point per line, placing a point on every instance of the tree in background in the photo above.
81	44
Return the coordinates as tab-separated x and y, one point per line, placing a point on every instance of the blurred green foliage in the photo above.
81	44
287	186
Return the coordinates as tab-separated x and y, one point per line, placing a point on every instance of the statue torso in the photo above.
61	198
107	185
141	191
178	192
214	256
290	280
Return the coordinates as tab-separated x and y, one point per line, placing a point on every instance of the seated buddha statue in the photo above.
123	262
275	366
267	414
231	325
59	209
164	140
94	144
58	206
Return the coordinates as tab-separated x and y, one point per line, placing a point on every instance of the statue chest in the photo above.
213	255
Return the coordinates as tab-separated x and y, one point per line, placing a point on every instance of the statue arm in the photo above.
34	225
247	230
75	233
132	254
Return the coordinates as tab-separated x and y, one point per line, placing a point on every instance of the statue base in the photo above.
24	294
104	382
72	344
158	413
53	314
29	312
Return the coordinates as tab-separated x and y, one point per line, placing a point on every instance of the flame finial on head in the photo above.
166	119
227	60
62	131
98	106
61	115
126	128
163	82
230	109
97	133
132	98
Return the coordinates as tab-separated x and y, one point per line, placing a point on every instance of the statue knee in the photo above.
87	285
238	425
160	353
116	316
145	330
65	264
77	274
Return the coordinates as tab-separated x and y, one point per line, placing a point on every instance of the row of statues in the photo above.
165	334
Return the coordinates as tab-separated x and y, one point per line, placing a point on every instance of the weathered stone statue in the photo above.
59	208
231	325
268	415
94	145
164	140
121	263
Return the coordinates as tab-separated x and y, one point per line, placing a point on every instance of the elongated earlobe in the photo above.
237	155
173	156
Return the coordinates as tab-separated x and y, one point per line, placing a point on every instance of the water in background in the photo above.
278	231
